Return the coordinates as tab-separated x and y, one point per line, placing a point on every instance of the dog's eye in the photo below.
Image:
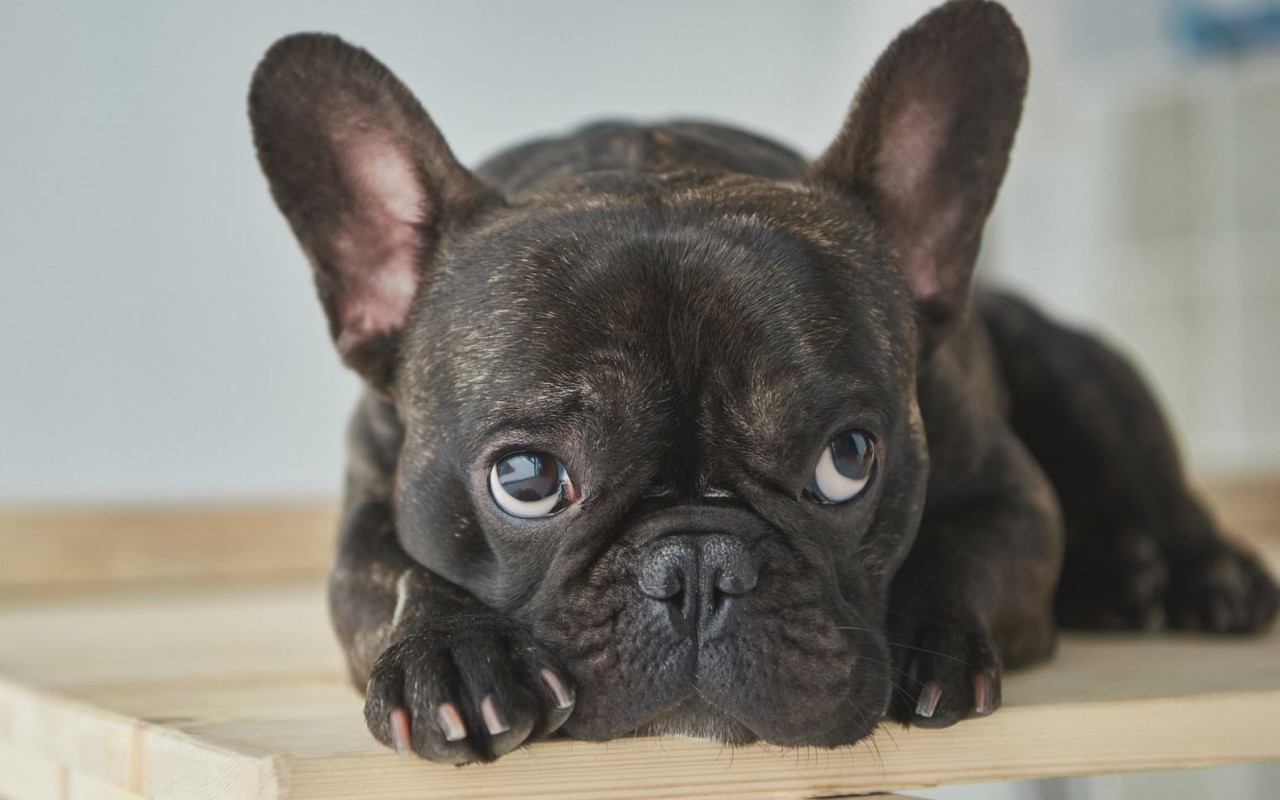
844	469
530	485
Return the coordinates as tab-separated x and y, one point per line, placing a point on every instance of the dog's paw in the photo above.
465	693
1120	584
948	669
1223	591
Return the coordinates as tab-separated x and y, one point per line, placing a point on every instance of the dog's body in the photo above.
680	317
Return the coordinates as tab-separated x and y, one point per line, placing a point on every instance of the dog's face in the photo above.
660	374
668	420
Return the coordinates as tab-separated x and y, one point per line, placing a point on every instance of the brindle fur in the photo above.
685	309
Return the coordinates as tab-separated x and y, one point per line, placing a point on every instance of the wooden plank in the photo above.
1247	505
238	692
83	749
27	777
24	776
59	546
217	690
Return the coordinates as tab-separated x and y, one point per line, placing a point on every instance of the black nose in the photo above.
696	576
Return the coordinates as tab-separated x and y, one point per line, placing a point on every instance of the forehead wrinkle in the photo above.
784	409
604	392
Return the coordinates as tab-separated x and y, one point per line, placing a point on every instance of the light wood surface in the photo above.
238	693
49	546
218	690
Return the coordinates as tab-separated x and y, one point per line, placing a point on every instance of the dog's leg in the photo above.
1142	552
975	594
443	674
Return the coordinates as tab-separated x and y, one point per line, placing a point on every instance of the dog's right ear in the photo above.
367	183
927	141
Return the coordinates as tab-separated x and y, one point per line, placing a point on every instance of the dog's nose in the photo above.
696	576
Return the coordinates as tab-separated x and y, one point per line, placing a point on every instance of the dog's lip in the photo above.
694	717
707	721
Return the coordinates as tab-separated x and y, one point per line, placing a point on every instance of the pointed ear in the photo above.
366	181
926	143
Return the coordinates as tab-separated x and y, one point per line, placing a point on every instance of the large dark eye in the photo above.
844	469
530	485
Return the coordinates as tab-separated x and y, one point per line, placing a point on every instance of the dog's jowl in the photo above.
668	429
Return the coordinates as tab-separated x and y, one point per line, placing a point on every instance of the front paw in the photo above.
465	690
1222	591
948	669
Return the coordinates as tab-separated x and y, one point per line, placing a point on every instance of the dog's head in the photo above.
668	419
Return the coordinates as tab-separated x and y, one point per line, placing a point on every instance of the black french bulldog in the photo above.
669	430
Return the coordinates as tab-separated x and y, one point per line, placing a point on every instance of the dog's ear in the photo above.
367	183
926	143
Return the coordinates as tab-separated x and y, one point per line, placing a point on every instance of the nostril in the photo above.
736	582
661	576
664	587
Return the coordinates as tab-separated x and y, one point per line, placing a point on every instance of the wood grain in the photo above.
236	690
238	693
48	546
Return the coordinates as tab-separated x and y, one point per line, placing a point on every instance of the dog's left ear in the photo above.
926	144
368	184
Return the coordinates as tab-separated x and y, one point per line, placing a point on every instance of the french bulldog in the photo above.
669	430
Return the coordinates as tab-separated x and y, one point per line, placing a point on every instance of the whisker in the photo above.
880	726
901	645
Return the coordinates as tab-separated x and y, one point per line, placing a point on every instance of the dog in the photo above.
669	430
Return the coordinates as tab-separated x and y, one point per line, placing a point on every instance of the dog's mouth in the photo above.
736	708
695	718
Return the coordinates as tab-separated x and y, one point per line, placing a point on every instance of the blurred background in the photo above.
160	341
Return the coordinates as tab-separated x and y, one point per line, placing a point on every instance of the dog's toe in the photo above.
462	699
950	670
1226	591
